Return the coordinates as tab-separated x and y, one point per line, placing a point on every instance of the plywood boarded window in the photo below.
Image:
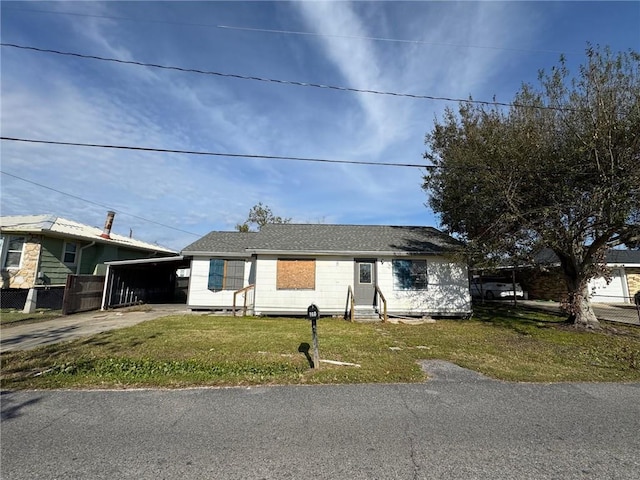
296	274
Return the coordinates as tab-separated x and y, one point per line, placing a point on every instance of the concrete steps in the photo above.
365	314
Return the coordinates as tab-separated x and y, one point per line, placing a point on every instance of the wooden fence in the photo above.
82	293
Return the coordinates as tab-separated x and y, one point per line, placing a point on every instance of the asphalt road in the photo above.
459	425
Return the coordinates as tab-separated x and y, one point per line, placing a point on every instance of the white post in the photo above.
32	300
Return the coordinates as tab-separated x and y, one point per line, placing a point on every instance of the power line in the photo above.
283	82
384	39
217	154
431	168
96	203
294	32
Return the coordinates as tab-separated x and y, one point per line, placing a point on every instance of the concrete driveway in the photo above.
610	312
25	336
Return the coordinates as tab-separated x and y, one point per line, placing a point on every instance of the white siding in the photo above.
613	291
199	294
447	291
333	276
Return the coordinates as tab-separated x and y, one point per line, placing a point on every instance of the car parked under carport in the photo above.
495	289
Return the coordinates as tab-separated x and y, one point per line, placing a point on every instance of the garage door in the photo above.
613	292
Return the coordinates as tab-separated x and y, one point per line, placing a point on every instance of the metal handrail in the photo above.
351	302
244	306
384	304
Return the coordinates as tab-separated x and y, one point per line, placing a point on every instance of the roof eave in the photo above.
88	238
188	253
176	258
355	253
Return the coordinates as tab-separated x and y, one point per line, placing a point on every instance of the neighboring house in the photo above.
291	266
621	287
44	249
625	278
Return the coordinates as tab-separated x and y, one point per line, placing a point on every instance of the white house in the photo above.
624	280
621	285
284	268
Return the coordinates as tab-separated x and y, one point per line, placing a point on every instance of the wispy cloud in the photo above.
60	98
359	64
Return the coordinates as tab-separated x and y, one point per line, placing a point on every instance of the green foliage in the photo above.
259	216
557	170
133	370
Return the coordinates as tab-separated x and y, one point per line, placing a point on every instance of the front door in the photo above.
365	281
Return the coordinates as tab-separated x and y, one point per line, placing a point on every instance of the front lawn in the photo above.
191	350
9	316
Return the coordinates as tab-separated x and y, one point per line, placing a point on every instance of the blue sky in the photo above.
454	50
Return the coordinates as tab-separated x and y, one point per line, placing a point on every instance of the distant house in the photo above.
284	268
44	249
623	284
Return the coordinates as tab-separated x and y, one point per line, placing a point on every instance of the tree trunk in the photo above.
579	308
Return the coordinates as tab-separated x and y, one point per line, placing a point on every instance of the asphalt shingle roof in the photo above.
323	238
623	256
221	242
614	257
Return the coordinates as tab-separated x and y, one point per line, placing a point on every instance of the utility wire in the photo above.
294	32
97	204
394	40
284	82
430	168
217	154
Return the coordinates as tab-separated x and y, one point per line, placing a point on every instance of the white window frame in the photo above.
6	240
418	281
75	254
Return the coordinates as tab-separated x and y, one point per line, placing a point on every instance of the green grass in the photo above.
180	351
9	316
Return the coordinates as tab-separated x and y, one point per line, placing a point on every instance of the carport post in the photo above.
107	287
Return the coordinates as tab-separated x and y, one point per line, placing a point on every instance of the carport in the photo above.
149	280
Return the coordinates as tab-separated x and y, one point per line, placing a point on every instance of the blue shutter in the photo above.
216	274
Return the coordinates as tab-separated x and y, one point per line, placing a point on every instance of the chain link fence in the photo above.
48	297
13	298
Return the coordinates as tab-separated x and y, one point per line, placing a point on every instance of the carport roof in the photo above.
179	259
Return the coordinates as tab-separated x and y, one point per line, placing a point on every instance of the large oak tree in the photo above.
558	169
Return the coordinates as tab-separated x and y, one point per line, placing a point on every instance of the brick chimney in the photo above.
106	233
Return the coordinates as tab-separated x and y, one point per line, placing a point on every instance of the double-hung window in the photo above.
70	253
12	256
225	274
410	275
